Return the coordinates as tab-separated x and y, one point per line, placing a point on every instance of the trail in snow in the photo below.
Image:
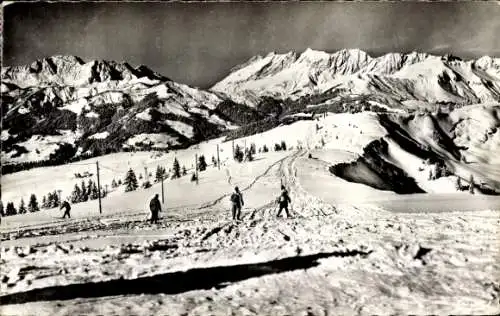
396	259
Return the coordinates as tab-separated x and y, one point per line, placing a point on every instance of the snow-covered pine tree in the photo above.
238	153
22	207
193	177
10	209
184	171
2	212
265	149
253	149
160	173
33	204
114	184
44	202
458	184
202	164
176	168
130	181
55	199
90	187
76	195
95	192
471	184
249	156
283	145
84	196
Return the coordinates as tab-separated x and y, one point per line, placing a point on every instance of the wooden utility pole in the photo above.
196	167
218	159
146	176
162	191
99	187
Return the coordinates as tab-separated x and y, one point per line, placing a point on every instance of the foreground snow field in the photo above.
332	257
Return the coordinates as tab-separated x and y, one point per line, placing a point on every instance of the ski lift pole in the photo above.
218	159
99	187
162	190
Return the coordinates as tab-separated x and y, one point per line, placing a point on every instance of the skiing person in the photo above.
155	207
283	201
237	203
67	208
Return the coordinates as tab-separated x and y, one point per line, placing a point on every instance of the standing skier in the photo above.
67	208
237	203
283	201
155	207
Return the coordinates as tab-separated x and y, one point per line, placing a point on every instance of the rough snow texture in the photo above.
335	260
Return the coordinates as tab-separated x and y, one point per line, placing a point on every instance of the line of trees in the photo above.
10	209
85	192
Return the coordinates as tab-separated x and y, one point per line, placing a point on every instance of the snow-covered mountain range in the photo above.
398	77
62	106
99	106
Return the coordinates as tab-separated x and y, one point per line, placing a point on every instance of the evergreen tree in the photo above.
184	171
22	207
265	149
176	169
10	210
114	184
214	161
90	186
130	181
140	176
2	212
160	173
249	155
94	195
471	184
193	177
238	154
55	199
44	202
253	150
119	182
202	164
76	195
33	204
283	145
458	184
277	147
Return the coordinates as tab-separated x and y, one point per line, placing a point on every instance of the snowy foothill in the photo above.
348	248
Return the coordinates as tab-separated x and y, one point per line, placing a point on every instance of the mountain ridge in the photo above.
313	72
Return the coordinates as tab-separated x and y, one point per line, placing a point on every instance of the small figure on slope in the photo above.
283	201
155	207
66	207
237	203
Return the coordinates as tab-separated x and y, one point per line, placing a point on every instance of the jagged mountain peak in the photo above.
400	76
68	70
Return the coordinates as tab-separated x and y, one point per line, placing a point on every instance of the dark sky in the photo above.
198	43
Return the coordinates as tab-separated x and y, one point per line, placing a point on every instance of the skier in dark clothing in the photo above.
283	201
155	207
67	208
237	203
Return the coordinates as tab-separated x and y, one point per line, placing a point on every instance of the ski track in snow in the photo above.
342	260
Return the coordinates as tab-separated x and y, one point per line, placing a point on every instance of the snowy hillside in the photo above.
403	77
98	107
